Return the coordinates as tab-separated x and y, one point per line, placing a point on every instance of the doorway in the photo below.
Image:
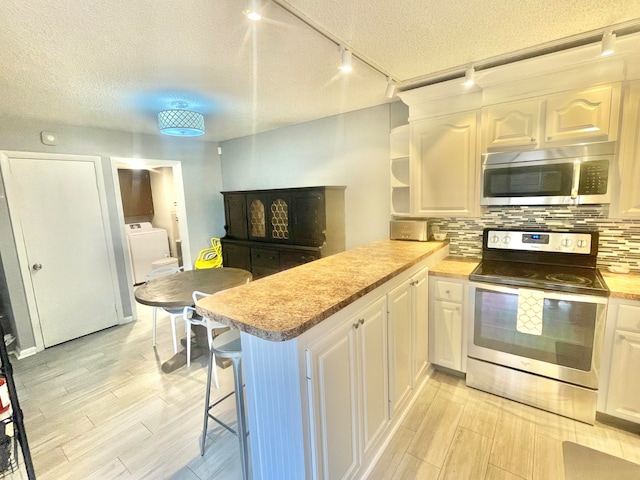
62	235
172	218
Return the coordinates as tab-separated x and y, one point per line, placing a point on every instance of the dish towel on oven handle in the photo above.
530	307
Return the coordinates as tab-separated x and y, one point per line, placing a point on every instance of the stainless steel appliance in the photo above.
417	230
573	175
538	320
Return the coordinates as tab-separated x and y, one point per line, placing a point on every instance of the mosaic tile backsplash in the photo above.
619	239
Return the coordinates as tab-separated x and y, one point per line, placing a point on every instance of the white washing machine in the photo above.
146	245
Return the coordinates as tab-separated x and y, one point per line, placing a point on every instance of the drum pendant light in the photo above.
179	122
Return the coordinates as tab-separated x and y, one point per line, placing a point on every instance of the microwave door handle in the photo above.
576	180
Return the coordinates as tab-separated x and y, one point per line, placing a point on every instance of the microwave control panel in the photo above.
594	177
566	242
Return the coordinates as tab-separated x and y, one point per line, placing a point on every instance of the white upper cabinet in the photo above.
629	202
566	118
515	124
583	116
444	165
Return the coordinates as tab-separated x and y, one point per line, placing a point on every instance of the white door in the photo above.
61	224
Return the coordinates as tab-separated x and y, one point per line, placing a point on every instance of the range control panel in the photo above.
566	242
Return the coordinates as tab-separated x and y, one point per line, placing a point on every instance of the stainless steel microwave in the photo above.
572	175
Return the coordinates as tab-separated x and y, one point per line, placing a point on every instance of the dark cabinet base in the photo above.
263	259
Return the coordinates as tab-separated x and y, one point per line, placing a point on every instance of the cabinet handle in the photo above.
549	138
361	321
622	337
448	292
533	139
356	325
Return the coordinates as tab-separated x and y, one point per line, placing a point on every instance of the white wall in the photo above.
350	149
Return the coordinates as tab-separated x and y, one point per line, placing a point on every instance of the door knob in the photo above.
37	266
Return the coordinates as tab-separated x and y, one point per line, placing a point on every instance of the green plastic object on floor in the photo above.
210	257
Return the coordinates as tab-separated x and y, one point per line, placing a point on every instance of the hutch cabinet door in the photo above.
257	213
278	206
308	219
235	211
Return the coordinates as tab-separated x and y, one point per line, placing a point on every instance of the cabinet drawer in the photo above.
264	257
449	291
293	259
629	318
259	272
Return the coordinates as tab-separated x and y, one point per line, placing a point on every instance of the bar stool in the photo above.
227	345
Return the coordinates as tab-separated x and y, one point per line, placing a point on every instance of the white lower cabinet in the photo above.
408	337
447	323
623	349
348	385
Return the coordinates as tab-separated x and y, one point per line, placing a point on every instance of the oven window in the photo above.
568	329
533	181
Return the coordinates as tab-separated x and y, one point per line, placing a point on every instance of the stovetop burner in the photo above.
558	261
568	278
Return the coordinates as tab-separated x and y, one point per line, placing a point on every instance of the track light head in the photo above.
253	12
346	62
391	88
608	44
470	76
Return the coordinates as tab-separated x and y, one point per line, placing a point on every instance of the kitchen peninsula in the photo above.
333	353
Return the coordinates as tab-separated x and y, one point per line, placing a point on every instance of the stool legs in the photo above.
242	419
206	402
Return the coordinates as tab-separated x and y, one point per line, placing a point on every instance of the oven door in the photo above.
567	347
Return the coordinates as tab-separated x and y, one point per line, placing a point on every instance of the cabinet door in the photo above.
511	125
235	214
372	336
420	293
332	387
623	399
135	190
237	256
629	204
444	165
447	332
579	116
258	214
278	217
308	217
400	344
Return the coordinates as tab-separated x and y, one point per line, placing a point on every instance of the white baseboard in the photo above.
125	320
24	353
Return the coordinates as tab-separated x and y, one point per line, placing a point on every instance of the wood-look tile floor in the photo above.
454	432
101	408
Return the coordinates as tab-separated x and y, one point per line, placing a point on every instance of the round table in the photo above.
176	290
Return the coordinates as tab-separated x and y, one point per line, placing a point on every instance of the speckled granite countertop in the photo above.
454	267
625	286
283	306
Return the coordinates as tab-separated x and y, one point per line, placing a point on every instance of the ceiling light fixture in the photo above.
608	44
346	63
470	76
391	88
252	12
179	122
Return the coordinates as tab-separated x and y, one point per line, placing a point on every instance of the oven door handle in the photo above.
552	295
576	180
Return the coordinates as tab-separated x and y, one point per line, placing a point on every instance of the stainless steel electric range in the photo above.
539	308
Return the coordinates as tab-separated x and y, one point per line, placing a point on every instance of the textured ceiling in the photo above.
115	64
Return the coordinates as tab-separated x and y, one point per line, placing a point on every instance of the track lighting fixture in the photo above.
253	12
470	76
608	44
391	88
346	63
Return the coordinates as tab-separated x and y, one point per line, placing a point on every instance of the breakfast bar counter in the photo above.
282	306
334	352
